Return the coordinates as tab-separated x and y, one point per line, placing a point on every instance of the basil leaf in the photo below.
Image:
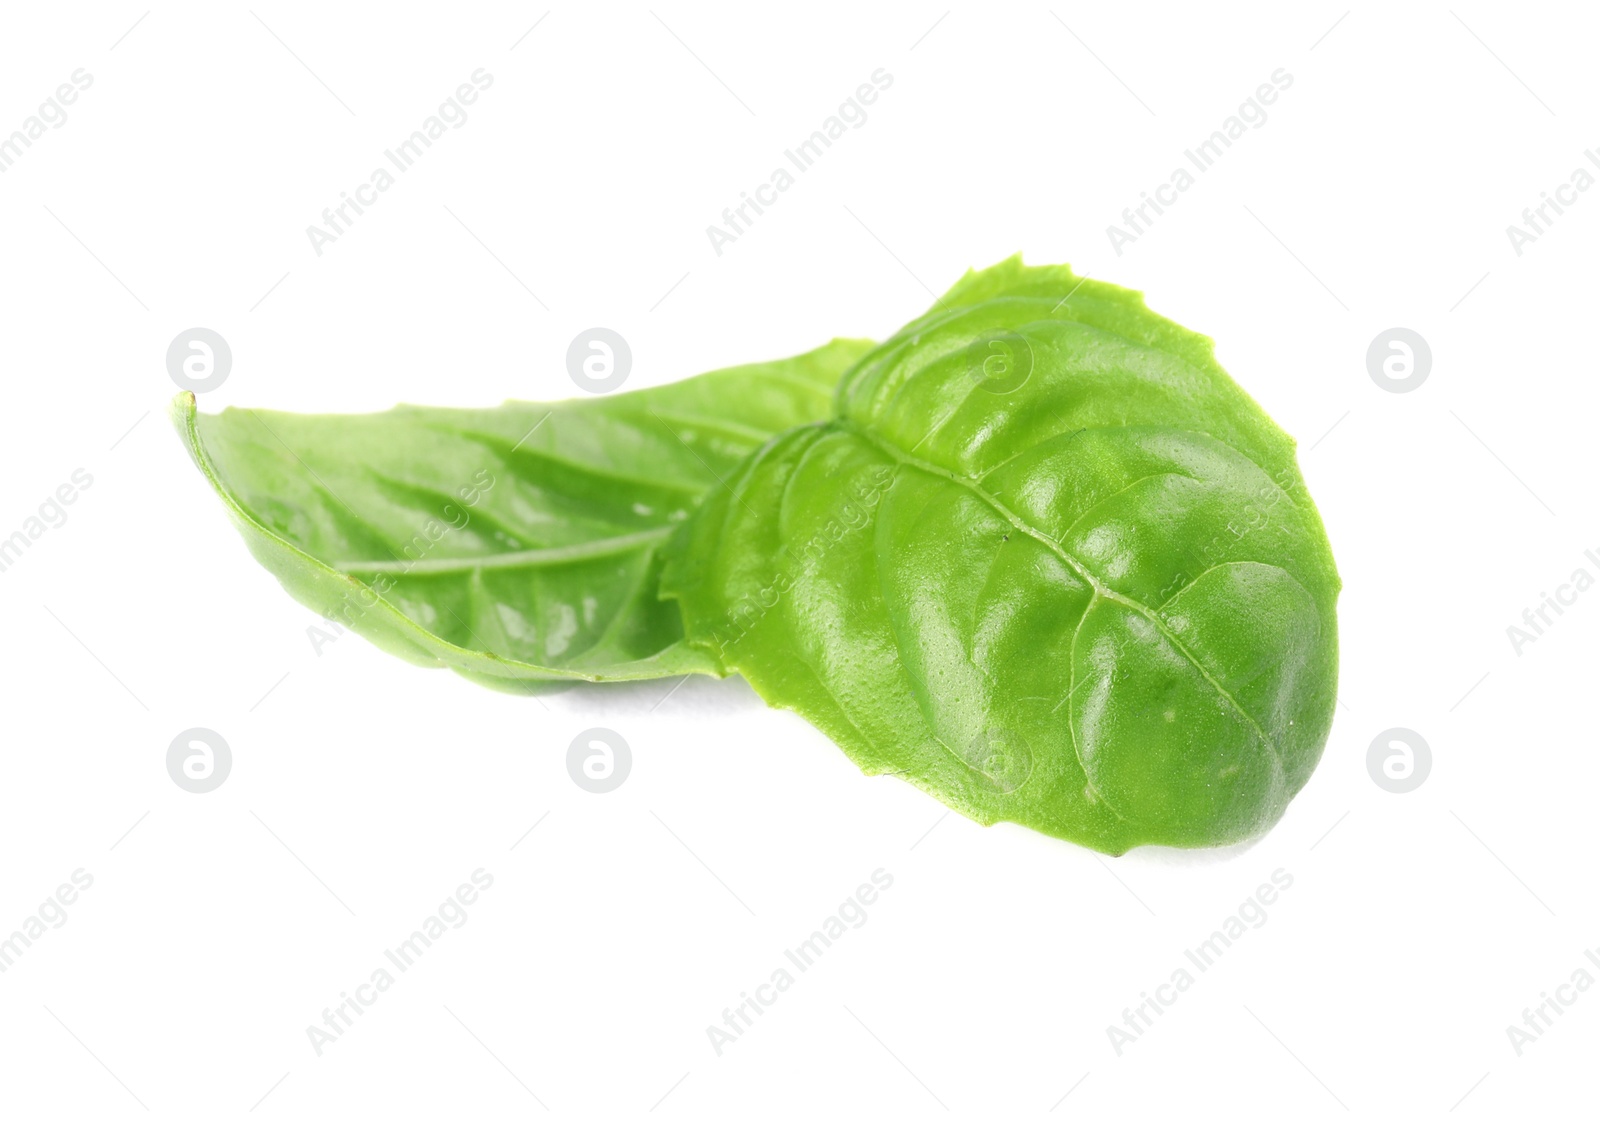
515	545
1048	562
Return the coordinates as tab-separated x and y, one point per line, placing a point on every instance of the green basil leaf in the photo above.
516	545
1048	562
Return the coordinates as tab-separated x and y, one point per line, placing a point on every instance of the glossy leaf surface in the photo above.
1047	561
517	544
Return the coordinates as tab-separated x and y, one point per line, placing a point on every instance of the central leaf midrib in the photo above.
1071	561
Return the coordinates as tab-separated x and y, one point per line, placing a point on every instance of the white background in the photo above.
363	790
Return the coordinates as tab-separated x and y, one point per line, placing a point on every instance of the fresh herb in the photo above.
1047	562
516	545
1036	554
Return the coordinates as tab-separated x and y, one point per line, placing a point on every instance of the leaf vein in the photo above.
1080	569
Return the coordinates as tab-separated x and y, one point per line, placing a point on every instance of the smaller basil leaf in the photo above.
516	545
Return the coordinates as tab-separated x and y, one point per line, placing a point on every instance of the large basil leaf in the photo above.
1047	562
515	545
